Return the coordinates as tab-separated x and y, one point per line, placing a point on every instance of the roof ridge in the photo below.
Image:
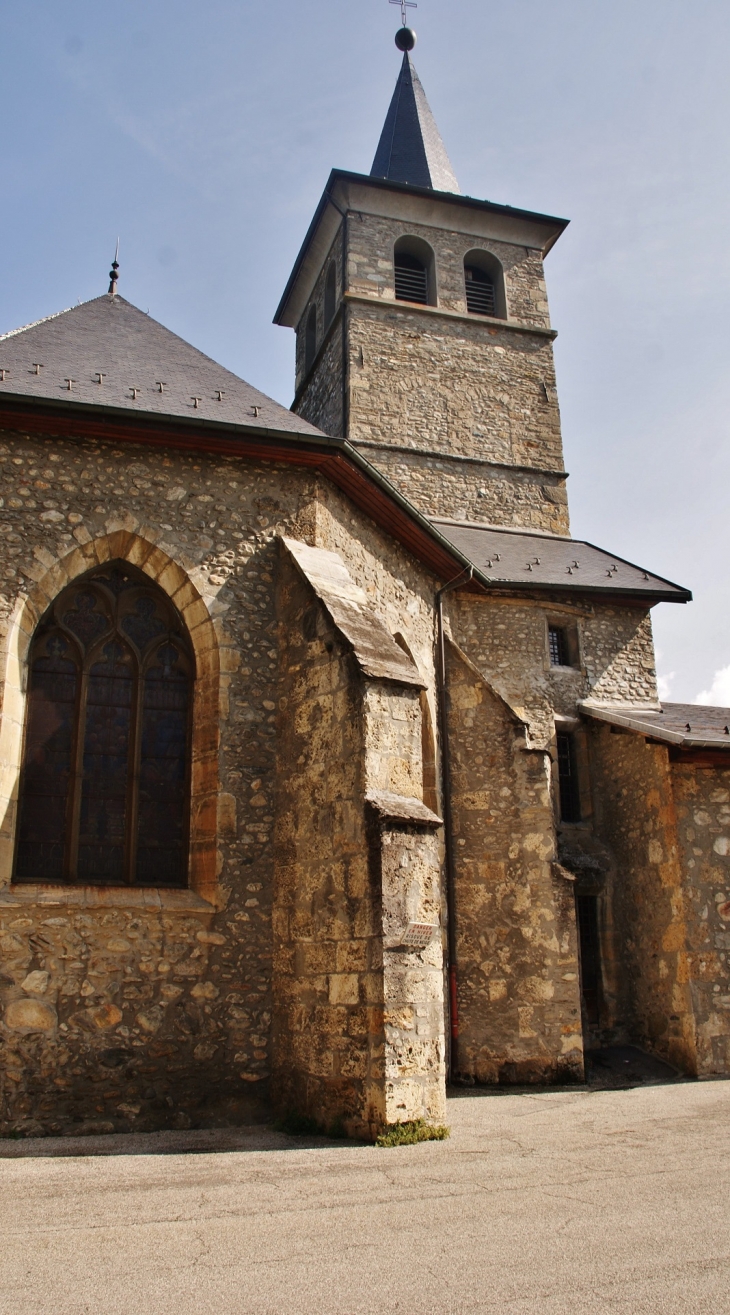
506	529
34	323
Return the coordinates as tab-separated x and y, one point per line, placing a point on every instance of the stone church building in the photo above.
332	766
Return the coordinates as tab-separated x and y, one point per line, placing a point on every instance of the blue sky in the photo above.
203	136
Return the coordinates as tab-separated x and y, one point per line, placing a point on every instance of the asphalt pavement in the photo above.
552	1201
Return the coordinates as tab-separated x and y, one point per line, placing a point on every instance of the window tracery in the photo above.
105	783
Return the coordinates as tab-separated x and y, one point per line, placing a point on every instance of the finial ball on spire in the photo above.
113	275
405	38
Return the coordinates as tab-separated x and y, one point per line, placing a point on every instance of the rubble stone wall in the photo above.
517	967
702	803
451	384
334	254
171	1023
371	241
407	859
634	813
418	379
356	1041
174	987
471	490
507	639
328	958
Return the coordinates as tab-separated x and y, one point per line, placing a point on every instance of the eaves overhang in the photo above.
553	225
669	724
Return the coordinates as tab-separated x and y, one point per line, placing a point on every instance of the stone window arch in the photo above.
330	294
104	794
415	271
484	284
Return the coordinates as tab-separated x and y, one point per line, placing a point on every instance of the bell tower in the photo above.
423	331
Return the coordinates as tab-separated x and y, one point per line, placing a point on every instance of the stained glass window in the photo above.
104	797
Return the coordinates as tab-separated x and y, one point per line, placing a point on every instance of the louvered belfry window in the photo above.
480	296
411	279
105	785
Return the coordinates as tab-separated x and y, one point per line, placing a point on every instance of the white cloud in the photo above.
718	695
664	684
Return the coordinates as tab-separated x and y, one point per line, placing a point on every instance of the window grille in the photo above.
310	339
411	279
558	640
480	295
568	780
104	793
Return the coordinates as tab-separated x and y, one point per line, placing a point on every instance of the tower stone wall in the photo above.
459	410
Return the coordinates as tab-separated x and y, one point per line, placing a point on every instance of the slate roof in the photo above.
685	725
546	561
411	149
133	352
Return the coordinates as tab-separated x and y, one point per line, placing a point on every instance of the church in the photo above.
333	768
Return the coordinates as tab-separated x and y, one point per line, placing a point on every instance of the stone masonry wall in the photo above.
407	862
148	1010
328	959
418	379
517	968
322	400
357	1041
702	803
507	640
371	240
335	254
175	987
451	384
634	813
464	489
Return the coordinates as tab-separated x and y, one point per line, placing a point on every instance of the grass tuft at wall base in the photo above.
408	1134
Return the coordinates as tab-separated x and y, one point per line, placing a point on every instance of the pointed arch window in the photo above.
105	783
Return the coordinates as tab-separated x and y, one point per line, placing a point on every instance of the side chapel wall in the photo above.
128	1008
135	1008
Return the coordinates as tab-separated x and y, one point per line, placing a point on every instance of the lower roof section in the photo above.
682	725
517	559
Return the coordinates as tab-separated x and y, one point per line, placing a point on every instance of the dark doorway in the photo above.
590	956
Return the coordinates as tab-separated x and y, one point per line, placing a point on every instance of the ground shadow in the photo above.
610	1068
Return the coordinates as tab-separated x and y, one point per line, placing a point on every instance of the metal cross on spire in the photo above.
405	5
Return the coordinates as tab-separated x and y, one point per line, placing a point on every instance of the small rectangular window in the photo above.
568	779
559	648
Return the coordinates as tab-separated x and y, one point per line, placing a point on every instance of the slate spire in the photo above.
410	148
